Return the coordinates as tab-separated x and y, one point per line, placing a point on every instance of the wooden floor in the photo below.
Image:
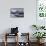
13	44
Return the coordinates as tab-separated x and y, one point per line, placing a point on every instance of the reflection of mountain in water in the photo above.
18	13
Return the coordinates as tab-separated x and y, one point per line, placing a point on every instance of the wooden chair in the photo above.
8	34
27	37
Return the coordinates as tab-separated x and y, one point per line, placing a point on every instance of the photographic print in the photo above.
17	12
41	12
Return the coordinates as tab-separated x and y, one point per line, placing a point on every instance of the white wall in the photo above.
23	23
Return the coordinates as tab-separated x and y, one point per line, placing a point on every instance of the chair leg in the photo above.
17	39
5	40
5	43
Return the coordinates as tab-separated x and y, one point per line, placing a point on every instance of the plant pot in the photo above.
40	41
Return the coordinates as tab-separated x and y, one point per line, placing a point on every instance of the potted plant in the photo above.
35	27
38	27
42	27
39	35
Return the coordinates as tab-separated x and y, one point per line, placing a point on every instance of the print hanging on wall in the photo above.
41	12
41	8
17	12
